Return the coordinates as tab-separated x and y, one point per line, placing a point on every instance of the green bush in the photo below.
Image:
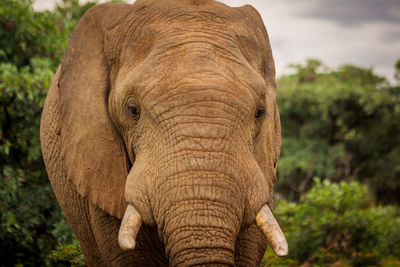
67	255
337	223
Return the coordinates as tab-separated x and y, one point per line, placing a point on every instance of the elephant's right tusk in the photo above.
269	226
129	228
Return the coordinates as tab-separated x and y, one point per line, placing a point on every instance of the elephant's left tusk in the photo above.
129	228
269	226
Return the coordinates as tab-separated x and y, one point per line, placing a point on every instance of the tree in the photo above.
341	124
32	45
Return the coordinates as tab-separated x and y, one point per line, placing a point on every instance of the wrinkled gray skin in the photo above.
169	106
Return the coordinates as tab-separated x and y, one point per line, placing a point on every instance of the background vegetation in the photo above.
33	231
341	125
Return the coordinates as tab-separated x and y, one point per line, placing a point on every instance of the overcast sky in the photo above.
337	32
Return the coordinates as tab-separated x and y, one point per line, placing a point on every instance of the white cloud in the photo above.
294	37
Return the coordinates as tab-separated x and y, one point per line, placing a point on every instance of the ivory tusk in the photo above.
129	228
269	226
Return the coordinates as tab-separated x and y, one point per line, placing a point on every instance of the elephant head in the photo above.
169	118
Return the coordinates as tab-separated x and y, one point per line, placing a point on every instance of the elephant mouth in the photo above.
265	221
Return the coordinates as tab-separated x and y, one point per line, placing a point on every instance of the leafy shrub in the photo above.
67	255
337	222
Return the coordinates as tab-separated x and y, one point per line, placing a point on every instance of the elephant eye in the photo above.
133	110
260	112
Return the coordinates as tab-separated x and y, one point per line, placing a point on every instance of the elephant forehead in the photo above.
167	28
224	34
183	53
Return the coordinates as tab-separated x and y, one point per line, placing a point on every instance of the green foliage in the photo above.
342	125
70	255
31	47
25	34
338	223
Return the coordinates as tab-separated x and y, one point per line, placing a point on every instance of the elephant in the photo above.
161	135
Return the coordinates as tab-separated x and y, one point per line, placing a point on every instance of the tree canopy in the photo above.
341	125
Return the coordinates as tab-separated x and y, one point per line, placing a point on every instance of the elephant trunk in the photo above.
200	232
199	211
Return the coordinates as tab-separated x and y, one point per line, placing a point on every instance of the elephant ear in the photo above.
268	141
91	148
